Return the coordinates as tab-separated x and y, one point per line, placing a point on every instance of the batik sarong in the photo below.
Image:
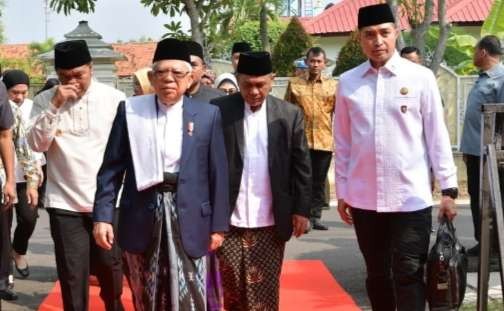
250	264
215	295
165	277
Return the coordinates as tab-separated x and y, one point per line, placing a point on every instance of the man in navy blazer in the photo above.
192	146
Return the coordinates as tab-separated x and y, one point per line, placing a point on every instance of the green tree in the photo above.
494	23
419	14
459	49
249	32
67	6
350	55
37	48
226	23
293	44
175	31
199	11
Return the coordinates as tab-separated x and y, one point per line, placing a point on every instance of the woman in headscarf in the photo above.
227	83
141	83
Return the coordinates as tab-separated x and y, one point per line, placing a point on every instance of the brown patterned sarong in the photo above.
251	263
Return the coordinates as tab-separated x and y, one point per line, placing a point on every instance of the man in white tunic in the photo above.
389	130
73	123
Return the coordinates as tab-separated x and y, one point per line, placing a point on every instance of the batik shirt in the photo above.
24	157
316	99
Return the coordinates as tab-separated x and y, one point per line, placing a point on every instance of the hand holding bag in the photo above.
446	270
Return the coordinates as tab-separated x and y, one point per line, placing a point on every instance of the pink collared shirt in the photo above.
389	131
254	205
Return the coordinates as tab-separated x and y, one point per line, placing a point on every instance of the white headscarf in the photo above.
226	77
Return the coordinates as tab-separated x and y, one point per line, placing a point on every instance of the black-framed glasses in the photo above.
177	74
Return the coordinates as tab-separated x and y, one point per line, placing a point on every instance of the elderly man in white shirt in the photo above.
73	122
389	130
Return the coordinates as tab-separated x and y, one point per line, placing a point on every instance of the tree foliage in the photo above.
494	23
67	6
293	44
249	32
459	50
350	56
175	31
38	48
226	24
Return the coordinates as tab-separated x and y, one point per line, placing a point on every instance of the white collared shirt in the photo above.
254	205
170	131
389	131
75	137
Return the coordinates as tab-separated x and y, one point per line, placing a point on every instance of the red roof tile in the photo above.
342	17
138	55
14	51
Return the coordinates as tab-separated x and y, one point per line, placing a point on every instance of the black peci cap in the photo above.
375	15
71	54
255	64
171	49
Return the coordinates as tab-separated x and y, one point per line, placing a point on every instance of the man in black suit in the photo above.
270	185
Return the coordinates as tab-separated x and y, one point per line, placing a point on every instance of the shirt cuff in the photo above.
449	182
341	189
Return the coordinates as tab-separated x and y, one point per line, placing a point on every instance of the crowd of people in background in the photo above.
192	187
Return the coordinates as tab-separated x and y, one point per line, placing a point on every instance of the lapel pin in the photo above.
404	91
190	128
404	108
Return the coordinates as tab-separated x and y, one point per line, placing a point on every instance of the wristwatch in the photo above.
450	192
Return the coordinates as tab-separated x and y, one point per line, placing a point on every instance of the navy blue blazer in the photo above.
202	193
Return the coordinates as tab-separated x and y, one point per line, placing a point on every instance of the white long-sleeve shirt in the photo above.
75	137
254	205
389	130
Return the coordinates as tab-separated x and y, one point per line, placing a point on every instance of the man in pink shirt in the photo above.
388	131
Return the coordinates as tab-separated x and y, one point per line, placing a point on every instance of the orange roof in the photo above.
342	17
138	55
14	51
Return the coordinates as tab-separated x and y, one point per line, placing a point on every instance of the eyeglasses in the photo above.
177	74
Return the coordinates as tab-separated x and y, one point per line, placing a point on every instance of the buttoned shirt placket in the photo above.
379	137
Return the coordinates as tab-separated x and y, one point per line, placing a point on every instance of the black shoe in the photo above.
326	207
316	225
474	251
25	272
8	294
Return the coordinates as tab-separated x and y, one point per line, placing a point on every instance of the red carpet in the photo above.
305	285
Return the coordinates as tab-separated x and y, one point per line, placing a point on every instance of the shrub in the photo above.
350	55
293	44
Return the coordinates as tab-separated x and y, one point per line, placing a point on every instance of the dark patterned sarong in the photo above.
165	278
215	295
251	263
